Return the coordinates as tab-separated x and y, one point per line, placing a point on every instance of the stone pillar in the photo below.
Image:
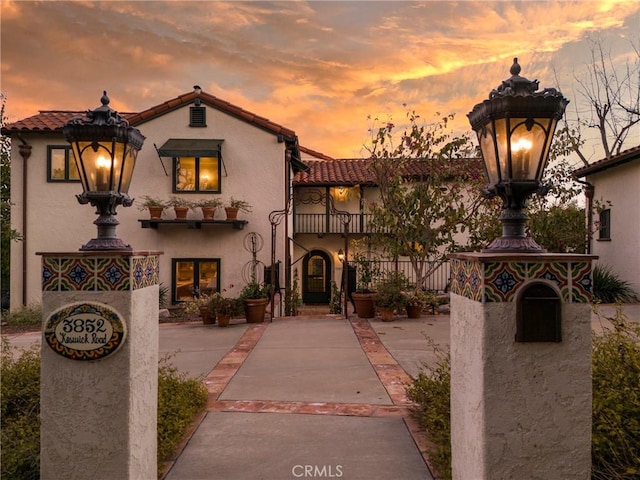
520	405
99	373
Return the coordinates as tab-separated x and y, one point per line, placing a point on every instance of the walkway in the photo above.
319	397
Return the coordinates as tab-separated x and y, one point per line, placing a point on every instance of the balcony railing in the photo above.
321	223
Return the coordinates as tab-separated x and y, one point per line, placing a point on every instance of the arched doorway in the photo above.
316	278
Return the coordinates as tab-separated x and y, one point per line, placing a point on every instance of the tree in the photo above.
427	192
613	96
7	234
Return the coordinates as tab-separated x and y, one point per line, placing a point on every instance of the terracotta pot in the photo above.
414	311
155	211
208	212
232	213
223	320
207	317
386	314
181	212
254	309
363	303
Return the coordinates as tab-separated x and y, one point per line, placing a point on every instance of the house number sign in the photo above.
85	331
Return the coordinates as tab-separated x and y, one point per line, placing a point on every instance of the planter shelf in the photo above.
195	223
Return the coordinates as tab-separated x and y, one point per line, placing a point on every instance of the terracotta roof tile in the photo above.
606	163
357	172
48	121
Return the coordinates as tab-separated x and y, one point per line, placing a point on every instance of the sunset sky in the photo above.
323	69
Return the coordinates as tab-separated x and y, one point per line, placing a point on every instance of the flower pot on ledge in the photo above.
155	212
232	213
181	212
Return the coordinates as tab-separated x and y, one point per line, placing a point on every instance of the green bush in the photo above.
615	448
609	288
30	315
20	413
431	391
179	399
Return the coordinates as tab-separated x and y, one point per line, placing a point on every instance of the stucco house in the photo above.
616	182
200	147
224	151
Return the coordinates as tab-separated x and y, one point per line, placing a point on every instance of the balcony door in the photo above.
316	278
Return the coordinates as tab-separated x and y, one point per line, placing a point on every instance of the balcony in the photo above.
323	224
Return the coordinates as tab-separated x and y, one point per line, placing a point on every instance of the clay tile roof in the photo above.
348	172
48	121
335	172
606	163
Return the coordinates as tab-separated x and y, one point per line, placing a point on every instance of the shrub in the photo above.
20	412
431	391
615	448
179	399
29	315
609	287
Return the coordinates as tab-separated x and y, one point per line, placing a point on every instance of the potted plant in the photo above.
367	271
390	298
416	302
255	298
202	305
224	308
234	206
155	206
181	206
208	207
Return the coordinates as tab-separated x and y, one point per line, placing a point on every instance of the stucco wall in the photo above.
621	187
519	410
255	164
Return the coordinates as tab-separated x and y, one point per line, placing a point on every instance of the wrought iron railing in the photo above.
321	223
437	280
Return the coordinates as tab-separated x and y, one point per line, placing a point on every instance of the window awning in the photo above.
190	147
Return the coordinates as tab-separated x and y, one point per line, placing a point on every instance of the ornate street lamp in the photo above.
515	127
105	148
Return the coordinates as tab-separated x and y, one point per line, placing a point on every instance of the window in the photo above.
194	276
605	225
196	174
61	165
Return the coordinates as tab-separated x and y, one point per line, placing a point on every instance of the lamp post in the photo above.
515	126
105	148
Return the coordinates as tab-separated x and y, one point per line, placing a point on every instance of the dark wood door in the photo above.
316	278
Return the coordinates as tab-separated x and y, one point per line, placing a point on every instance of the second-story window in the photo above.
61	166
196	174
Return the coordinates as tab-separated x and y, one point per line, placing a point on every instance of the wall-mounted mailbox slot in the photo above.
538	314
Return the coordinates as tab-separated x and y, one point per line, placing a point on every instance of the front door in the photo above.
316	278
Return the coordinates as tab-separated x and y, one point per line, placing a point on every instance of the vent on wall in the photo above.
197	117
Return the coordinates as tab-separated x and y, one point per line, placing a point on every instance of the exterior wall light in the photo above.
105	148
515	127
341	255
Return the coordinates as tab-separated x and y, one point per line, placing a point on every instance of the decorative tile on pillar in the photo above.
112	274
556	272
582	282
466	279
77	274
501	280
50	274
146	271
